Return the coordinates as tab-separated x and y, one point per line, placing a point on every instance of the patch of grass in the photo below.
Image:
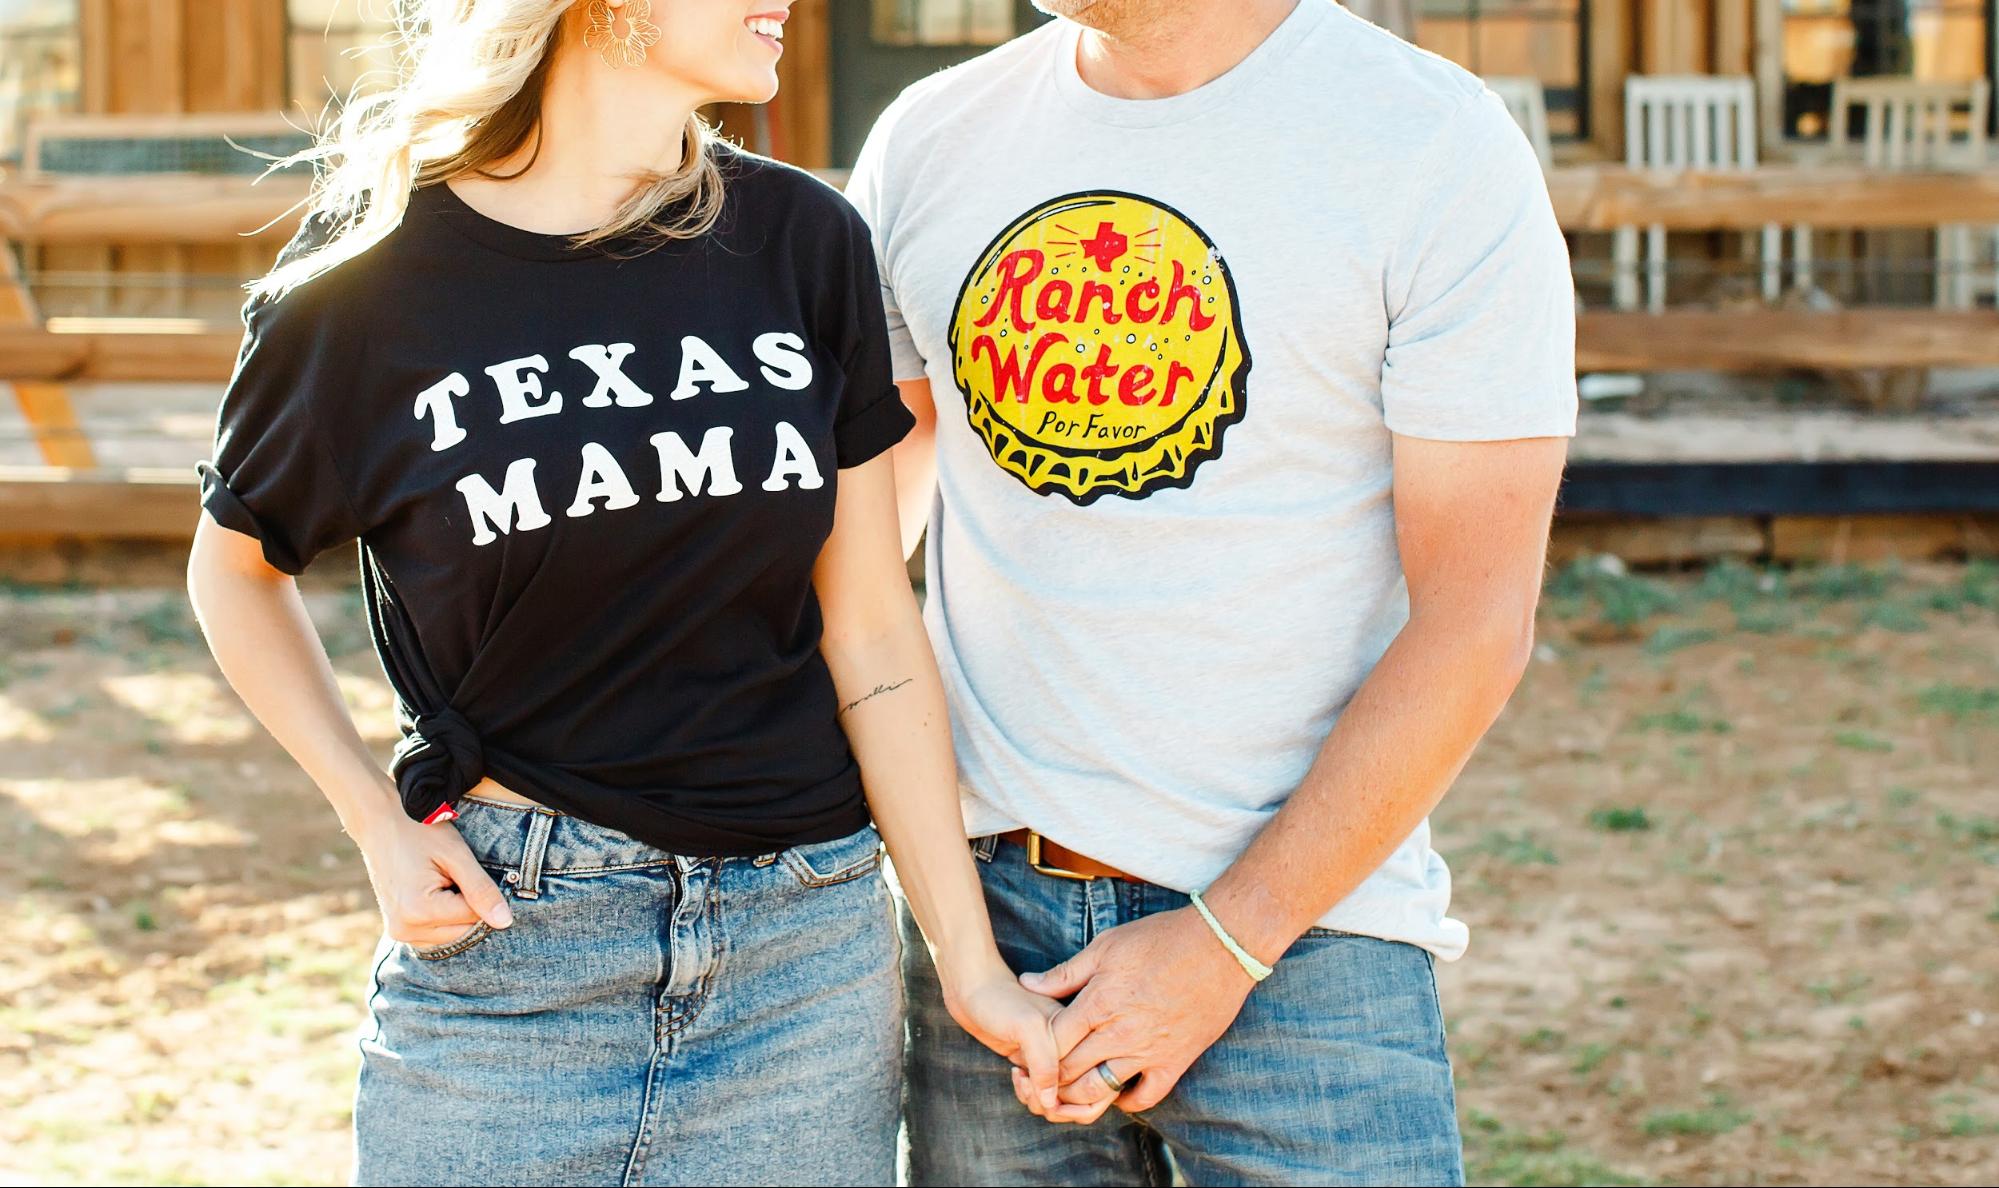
1860	740
1830	993
169	620
1973	830
1958	701
1682	721
1730	580
1591	688
1894	615
1498	1154
1841	583
1978	589
1717	1117
68	708
1965	1124
1516	849
1542	1039
1619	597
1589	1058
1620	820
1764	619
1671	639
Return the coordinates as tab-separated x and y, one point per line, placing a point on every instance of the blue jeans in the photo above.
648	1019
1334	1073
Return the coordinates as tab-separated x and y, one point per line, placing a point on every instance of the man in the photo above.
1242	341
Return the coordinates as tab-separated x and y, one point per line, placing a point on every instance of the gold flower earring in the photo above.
628	49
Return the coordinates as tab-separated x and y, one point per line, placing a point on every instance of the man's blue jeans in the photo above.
1334	1073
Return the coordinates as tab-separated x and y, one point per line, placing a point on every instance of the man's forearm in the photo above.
1389	759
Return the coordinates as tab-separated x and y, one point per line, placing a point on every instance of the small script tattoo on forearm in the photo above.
878	691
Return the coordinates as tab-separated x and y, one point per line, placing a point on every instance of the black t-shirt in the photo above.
589	488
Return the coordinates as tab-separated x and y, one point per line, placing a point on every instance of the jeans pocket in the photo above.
478	932
842	860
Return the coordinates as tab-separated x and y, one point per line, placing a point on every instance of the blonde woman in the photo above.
606	404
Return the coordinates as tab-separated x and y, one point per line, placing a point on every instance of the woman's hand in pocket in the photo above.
430	888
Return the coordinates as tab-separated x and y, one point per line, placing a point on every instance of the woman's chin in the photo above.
758	87
765	89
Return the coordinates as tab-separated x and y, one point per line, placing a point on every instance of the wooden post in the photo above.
44	406
1734	33
804	108
1769	71
1609	66
1673	37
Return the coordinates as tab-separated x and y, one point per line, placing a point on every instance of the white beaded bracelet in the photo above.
1256	970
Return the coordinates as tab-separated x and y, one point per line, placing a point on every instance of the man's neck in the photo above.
1198	43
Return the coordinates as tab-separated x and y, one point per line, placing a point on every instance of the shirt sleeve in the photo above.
271	473
868	189
872	416
1482	323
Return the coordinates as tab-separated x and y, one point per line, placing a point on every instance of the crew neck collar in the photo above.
1305	16
444	203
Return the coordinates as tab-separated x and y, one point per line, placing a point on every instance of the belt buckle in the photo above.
1035	863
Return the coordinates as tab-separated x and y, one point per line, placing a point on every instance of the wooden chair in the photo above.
1528	102
1928	126
1691	122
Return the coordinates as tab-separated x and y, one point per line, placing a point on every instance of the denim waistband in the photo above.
531	841
528	843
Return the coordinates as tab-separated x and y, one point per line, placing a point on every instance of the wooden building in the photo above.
845	60
124	205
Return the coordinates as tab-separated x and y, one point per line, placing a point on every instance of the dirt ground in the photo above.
1730	860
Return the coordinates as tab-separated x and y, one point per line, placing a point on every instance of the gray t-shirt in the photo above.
1168	341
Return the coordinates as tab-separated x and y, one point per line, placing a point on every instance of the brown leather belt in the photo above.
1059	861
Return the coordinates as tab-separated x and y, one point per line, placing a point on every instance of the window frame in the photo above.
1773	84
1014	29
78	99
1573	98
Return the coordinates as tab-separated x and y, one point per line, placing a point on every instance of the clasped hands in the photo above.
1145	999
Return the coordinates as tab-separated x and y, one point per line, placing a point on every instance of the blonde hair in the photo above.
468	94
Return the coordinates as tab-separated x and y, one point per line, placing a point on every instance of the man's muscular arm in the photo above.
1471	522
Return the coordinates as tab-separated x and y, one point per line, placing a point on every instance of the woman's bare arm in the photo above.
892	707
430	887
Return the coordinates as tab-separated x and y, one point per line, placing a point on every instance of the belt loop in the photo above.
540	822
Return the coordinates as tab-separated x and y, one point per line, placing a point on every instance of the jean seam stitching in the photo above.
557	871
697	996
479	932
642	1142
534	849
799	869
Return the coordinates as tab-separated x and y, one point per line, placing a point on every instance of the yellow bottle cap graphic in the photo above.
1099	347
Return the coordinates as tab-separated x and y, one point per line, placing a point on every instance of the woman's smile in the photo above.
768	27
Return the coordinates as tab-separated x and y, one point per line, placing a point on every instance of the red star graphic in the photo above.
1106	247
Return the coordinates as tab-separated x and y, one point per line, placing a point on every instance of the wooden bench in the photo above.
164	183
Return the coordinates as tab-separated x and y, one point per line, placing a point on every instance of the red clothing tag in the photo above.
443	812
